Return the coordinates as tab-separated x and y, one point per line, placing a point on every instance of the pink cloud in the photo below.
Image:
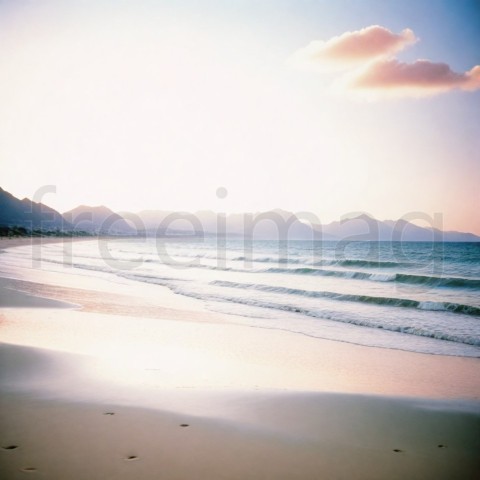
419	78
369	54
351	48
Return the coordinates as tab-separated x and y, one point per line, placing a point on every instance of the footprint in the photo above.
28	469
10	447
184	425
109	413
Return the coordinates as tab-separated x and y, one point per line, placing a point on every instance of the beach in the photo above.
239	240
112	379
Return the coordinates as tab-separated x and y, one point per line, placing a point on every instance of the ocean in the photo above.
419	297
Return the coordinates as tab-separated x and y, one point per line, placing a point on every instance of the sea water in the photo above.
414	296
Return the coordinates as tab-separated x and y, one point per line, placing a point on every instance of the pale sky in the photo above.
328	107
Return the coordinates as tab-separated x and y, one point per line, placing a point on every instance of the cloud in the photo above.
369	56
421	78
352	48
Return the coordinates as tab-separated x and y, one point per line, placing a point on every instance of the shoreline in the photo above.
309	363
11	242
134	383
207	350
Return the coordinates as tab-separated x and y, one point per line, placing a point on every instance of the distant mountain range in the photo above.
274	224
28	214
98	220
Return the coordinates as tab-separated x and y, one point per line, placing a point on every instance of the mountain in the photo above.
273	224
281	224
28	214
98	220
150	220
361	227
366	228
270	225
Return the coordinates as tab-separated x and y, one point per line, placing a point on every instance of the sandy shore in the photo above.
10	242
97	383
272	437
58	421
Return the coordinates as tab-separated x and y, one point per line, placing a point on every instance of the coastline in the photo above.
259	403
11	242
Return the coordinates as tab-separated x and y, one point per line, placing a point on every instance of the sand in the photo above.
273	437
96	383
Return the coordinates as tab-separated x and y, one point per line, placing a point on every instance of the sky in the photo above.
328	107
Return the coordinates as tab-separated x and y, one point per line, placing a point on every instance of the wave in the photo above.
184	254
431	281
180	287
420	280
333	273
386	301
412	279
331	315
82	266
154	279
278	260
361	263
348	262
267	259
